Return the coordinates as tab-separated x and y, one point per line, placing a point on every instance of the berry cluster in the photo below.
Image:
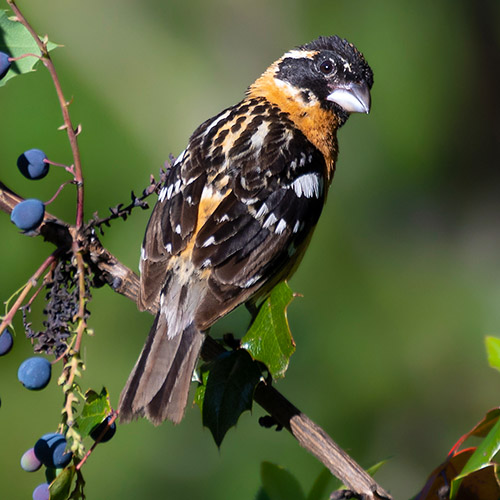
35	373
51	452
62	306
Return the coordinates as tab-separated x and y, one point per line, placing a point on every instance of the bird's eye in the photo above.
326	67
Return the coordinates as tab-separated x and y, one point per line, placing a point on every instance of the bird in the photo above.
237	211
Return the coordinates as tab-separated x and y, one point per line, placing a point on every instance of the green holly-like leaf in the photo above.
61	486
95	410
230	383
480	459
269	338
16	40
280	484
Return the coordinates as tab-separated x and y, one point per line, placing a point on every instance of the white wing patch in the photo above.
281	226
162	194
208	242
308	185
142	259
251	281
260	135
269	221
223	116
180	158
262	211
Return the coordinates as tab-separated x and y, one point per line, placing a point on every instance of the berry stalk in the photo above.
64	104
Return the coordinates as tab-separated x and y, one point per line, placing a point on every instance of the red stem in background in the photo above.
72	133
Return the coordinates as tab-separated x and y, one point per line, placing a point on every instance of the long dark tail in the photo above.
158	386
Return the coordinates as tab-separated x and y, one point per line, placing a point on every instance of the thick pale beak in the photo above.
352	97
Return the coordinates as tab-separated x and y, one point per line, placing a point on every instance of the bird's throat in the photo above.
318	124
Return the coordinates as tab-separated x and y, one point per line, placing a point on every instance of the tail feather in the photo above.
170	401
158	386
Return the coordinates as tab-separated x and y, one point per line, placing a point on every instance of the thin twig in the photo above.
26	290
111	420
80	317
58	192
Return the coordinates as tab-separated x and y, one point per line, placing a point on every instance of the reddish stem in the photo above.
59	189
23	56
29	285
113	417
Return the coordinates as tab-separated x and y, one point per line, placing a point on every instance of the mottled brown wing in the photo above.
260	228
170	227
261	187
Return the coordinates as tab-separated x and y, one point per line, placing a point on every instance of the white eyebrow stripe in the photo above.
299	54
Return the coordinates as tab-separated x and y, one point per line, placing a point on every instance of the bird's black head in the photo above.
329	71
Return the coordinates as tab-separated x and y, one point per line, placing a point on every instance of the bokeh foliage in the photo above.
401	282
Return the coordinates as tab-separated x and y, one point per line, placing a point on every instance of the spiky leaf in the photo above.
269	338
16	40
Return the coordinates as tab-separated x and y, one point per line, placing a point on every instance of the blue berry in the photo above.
98	429
41	492
4	64
50	449
28	214
29	462
34	373
6	342
32	165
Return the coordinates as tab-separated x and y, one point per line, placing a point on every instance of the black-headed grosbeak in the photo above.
237	211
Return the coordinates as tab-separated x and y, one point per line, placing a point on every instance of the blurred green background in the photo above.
401	282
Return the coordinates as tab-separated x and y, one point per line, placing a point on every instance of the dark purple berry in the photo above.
6	342
98	429
50	449
41	492
28	214
34	373
4	64
32	164
29	462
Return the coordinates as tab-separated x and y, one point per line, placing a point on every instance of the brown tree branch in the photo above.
124	281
